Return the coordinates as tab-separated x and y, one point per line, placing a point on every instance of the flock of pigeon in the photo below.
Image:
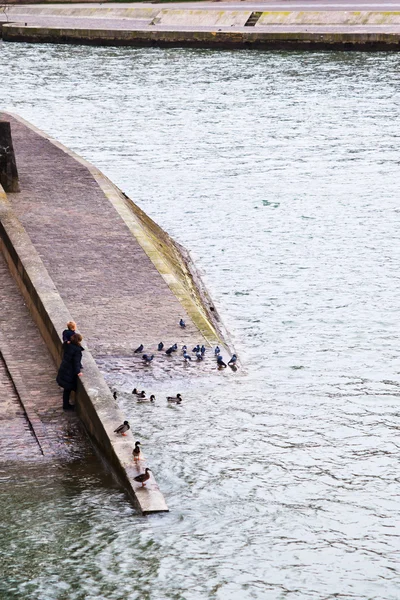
199	352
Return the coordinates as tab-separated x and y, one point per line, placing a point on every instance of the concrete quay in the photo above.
79	248
257	25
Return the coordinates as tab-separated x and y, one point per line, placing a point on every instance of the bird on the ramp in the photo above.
147	359
139	349
160	346
187	356
122	429
217	350
177	399
143	477
174	347
220	362
197	348
169	351
199	356
233	360
182	323
136	451
203	349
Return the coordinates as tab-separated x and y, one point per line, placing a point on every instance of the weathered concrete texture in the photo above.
325	17
33	424
95	404
249	38
204	18
105	278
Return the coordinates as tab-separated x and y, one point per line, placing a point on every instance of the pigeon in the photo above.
233	360
203	349
122	429
182	323
147	359
197	348
160	346
136	451
177	399
217	350
187	356
220	361
174	347
169	351
139	349
143	477
184	348
199	356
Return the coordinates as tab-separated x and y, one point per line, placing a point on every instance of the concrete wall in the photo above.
95	404
328	17
202	18
251	39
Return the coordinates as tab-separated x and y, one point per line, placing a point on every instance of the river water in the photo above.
280	173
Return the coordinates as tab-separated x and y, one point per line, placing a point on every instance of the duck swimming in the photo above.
142	399
136	451
115	395
122	429
141	394
177	399
143	477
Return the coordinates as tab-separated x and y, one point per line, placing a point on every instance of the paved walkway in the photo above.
106	280
46	432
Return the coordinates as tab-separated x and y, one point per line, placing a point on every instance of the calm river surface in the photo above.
280	173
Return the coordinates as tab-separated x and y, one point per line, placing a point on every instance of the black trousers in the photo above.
66	395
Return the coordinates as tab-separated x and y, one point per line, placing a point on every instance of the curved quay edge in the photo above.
96	406
170	258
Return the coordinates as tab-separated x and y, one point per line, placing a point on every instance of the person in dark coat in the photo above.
70	368
69	332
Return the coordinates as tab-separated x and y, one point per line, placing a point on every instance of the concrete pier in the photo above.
249	25
79	248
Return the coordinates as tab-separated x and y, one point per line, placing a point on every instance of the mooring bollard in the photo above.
8	166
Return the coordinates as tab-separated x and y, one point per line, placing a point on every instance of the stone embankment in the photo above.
217	26
79	248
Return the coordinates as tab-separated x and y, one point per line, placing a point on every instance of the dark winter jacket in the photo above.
70	366
67	335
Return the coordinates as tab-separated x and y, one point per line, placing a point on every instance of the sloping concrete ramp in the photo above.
79	249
